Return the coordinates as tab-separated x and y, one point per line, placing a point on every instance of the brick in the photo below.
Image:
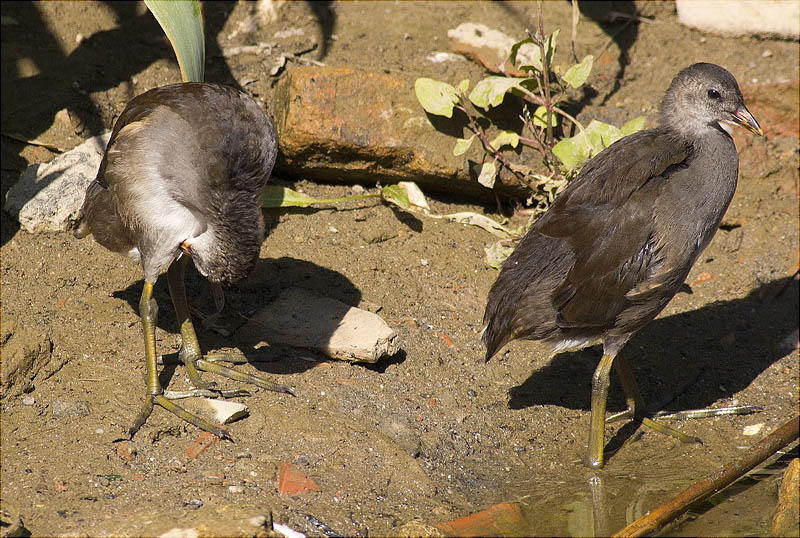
344	125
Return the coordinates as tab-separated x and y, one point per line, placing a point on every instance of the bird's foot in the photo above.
630	414
161	400
210	363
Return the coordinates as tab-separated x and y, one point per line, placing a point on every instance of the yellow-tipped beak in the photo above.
746	120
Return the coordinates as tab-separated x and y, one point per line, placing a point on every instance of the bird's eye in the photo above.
714	94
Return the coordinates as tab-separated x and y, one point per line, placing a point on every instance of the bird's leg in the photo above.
148	311
636	405
190	347
600	381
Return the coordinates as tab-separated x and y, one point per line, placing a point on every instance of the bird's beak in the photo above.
186	247
746	120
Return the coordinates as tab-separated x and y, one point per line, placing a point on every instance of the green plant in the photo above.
543	88
182	22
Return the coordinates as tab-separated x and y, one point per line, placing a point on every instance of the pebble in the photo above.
194	504
753	429
62	409
28	400
235	489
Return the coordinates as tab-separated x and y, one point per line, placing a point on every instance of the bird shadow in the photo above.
725	345
268	280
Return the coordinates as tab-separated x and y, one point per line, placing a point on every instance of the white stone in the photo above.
47	196
778	18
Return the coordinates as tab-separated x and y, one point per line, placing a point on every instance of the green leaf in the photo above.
578	73
490	91
505	138
496	254
462	145
436	97
636	124
487	175
277	196
540	117
182	21
577	149
463	86
396	195
482	221
550	46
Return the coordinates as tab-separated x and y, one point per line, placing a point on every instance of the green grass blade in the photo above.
182	21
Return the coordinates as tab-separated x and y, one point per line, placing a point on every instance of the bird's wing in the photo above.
606	218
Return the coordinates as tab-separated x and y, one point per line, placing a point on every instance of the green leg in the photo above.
600	382
190	347
148	311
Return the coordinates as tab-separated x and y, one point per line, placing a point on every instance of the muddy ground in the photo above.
433	433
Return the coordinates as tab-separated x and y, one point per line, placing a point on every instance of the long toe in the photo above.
259	381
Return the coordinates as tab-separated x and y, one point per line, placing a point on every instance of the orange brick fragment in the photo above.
500	519
291	480
200	445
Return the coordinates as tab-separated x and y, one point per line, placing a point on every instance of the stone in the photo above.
344	125
48	196
786	521
765	18
301	318
64	409
24	356
217	411
490	48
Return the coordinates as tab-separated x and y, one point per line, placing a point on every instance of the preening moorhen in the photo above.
618	242
181	179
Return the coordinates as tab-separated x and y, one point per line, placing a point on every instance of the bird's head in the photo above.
705	96
227	252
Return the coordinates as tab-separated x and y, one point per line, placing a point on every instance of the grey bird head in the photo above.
705	96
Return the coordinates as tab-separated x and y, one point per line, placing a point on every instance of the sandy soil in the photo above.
433	433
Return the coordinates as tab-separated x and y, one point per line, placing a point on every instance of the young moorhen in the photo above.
181	179
618	242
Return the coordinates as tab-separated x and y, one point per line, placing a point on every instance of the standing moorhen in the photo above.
618	242
180	179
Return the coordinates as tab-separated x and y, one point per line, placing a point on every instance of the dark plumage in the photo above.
618	242
181	178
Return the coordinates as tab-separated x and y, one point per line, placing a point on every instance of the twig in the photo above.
709	485
33	142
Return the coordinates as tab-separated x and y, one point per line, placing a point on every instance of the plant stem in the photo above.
475	128
545	77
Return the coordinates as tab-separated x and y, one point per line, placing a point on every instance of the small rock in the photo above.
235	489
415	528
178	532
126	451
62	409
302	319
257	521
28	400
47	196
194	504
753	429
218	411
490	48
